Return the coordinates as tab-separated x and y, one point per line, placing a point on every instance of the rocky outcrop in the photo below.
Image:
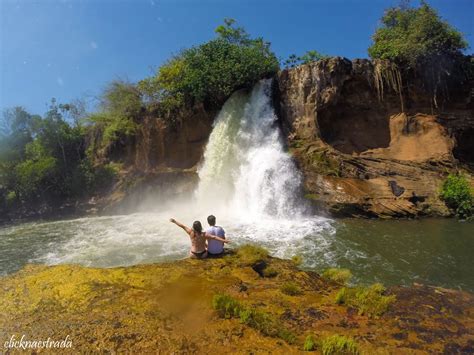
159	162
168	308
369	145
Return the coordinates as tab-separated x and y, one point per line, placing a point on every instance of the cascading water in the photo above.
246	169
251	184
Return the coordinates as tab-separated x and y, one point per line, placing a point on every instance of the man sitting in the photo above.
214	247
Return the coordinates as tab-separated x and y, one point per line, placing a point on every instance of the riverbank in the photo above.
173	307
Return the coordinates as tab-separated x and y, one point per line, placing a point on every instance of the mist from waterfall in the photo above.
247	180
246	171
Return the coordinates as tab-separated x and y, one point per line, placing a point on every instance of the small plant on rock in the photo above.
265	323
297	260
250	254
457	194
269	272
339	275
291	289
337	344
309	343
368	300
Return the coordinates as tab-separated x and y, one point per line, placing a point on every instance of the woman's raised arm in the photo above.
186	229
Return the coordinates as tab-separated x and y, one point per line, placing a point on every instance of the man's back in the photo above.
215	246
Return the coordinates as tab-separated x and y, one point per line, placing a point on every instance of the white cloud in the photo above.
94	45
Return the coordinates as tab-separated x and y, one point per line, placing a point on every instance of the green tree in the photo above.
309	57
410	36
43	160
120	108
211	72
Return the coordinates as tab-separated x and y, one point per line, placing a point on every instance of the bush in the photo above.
250	254
368	300
338	275
228	307
291	289
297	260
269	272
337	344
309	343
457	194
411	35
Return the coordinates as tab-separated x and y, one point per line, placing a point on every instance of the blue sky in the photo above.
70	49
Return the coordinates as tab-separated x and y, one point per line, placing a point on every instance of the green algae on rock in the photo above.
168	307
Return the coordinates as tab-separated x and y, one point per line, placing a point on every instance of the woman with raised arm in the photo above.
198	238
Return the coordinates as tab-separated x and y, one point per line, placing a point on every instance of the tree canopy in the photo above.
410	36
211	72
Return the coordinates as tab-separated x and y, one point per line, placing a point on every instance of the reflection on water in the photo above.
437	252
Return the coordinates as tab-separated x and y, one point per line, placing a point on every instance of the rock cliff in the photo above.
368	145
159	161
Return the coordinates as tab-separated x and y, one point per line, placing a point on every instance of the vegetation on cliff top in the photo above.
419	40
211	72
415	35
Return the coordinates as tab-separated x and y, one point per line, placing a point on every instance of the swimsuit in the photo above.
200	254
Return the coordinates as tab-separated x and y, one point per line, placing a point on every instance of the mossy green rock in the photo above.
168	307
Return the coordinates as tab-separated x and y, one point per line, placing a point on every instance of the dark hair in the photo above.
197	227
211	220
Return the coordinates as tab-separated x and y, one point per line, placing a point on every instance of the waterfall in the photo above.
246	170
247	181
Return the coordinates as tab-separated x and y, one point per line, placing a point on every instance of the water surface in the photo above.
435	251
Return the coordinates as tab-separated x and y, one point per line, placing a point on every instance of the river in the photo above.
252	185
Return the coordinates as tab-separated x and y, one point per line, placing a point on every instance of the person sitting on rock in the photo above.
198	238
215	247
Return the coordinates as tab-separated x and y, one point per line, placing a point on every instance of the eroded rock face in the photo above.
363	148
159	161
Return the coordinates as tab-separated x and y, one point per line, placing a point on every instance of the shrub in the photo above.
297	260
457	194
338	275
411	35
368	300
309	343
250	254
291	289
269	272
228	307
10	198
337	344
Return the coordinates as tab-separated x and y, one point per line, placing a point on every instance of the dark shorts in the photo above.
200	255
